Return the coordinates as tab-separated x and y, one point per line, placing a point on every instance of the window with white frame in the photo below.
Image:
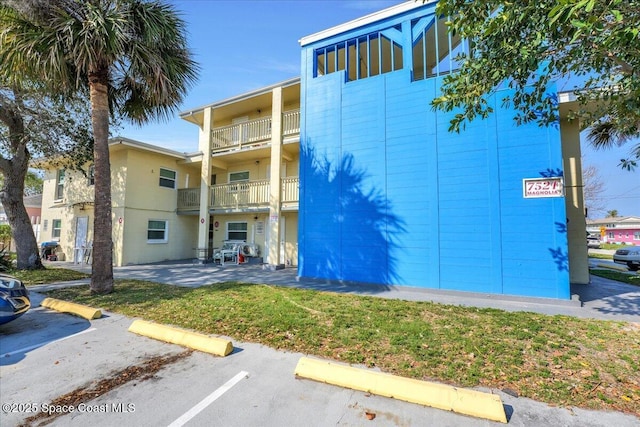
237	230
365	56
56	227
610	235
59	184
157	231
167	178
636	235
238	178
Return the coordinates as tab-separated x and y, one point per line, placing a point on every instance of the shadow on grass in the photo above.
139	292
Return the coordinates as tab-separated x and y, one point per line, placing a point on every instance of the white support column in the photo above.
204	144
275	190
574	202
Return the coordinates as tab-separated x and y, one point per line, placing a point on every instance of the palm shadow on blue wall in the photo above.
560	255
350	231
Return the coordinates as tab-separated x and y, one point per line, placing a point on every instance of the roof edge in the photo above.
120	140
242	96
365	20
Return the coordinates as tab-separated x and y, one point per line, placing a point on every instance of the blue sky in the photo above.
243	45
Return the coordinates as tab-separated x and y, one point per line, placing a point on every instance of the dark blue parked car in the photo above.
14	298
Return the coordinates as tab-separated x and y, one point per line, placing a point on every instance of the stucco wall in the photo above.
145	200
625	235
136	198
67	209
291	239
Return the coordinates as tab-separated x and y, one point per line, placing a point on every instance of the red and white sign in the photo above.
543	187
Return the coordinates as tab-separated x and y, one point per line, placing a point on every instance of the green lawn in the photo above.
600	256
612	246
556	359
49	275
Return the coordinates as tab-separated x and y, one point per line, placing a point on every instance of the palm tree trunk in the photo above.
102	267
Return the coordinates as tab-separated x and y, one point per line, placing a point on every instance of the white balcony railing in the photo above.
252	132
239	195
189	198
290	191
291	122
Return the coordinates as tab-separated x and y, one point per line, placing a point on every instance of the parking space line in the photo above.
31	347
209	400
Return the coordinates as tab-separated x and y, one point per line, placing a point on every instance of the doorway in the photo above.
82	229
282	242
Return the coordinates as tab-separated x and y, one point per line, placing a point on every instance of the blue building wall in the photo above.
388	195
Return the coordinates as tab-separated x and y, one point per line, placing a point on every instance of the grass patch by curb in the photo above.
600	256
48	275
611	246
556	359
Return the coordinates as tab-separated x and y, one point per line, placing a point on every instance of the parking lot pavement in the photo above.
46	355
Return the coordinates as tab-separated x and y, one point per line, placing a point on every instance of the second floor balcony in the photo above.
253	132
238	196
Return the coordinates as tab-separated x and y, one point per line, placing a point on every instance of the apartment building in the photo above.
349	174
145	180
388	195
249	165
245	170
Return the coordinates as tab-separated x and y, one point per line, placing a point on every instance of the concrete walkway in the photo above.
601	299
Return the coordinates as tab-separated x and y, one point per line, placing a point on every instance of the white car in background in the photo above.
593	242
629	256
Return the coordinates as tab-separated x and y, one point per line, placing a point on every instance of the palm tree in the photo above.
608	132
131	56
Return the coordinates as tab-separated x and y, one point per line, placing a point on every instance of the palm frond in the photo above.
142	46
603	134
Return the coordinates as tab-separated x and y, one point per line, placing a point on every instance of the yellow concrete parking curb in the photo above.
614	267
463	401
72	308
194	340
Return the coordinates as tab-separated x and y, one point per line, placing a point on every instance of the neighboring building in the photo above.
388	195
33	205
145	181
622	230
